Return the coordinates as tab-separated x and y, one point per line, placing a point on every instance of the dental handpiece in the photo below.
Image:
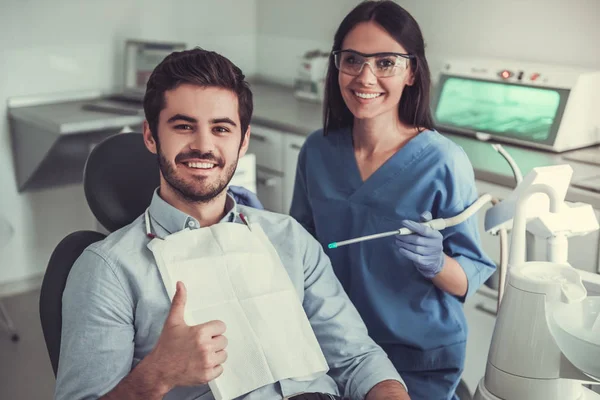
438	224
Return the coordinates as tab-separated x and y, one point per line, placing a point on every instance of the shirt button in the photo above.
191	224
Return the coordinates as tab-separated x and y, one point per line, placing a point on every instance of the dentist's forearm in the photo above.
452	278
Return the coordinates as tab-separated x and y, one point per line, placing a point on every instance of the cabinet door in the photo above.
269	186
293	144
267	145
245	173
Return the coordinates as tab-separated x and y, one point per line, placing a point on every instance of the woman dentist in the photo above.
378	165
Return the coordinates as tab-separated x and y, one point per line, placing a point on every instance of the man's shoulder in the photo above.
129	239
113	263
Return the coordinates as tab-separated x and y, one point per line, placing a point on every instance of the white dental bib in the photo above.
232	273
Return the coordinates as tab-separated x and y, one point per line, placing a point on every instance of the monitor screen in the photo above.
522	112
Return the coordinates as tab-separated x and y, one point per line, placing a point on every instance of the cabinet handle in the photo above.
296	147
240	172
269	182
258	137
485	310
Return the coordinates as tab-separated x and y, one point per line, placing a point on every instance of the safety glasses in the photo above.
382	65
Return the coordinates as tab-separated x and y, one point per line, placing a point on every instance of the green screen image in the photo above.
520	111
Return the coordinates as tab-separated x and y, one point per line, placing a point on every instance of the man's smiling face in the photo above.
199	141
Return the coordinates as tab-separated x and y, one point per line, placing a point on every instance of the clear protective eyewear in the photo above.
382	65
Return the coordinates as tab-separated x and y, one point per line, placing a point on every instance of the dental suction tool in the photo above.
438	224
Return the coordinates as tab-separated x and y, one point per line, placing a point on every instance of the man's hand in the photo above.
188	355
388	390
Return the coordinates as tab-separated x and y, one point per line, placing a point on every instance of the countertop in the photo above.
277	108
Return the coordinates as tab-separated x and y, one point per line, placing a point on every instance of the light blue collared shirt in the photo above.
115	304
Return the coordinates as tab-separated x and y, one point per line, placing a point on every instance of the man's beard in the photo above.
195	190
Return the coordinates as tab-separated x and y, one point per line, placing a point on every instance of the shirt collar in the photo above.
174	220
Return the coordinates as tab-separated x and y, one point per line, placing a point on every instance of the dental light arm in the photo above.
511	162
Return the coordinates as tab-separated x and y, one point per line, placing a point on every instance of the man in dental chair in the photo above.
204	298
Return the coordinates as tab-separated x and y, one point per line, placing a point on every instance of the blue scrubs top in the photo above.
420	326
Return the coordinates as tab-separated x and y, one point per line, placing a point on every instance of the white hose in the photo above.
503	266
513	165
437	224
472	209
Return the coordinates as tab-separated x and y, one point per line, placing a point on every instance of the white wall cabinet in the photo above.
293	144
276	156
267	145
245	173
269	188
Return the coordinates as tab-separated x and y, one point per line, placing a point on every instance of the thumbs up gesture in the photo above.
189	355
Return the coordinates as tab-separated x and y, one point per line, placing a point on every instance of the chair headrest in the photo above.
119	179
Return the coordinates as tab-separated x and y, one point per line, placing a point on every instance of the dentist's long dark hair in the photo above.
413	109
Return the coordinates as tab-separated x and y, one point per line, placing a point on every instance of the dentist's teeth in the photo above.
367	95
200	165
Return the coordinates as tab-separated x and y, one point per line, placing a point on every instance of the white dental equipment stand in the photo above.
541	348
544	346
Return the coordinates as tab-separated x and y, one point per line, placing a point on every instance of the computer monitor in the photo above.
141	57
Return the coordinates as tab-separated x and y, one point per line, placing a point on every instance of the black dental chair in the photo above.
119	179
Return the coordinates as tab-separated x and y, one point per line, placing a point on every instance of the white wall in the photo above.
65	45
548	31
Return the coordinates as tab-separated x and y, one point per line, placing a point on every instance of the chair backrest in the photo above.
119	179
55	279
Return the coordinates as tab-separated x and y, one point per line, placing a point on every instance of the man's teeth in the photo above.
200	165
367	95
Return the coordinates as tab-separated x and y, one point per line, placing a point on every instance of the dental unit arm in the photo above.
546	341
